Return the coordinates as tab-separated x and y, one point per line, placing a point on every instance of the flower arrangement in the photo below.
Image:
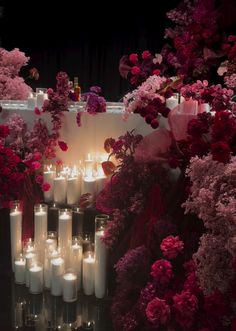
12	86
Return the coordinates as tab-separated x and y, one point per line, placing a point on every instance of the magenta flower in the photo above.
146	55
133	58
158	312
171	247
63	146
37	111
135	70
39	179
36	165
46	187
162	271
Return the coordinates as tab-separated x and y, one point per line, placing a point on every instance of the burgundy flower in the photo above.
185	305
156	72
78	119
146	55
46	187
195	128
36	165
154	123
133	58
220	151
4	131
158	312
39	179
215	305
135	70
63	146
162	271
171	247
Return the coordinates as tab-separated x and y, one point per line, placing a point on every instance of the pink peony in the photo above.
46	187
162	271
158	312
135	70
171	246
63	146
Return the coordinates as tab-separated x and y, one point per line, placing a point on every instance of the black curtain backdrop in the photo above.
86	42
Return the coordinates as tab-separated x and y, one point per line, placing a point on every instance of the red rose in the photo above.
220	151
63	146
156	72
135	70
146	55
37	111
133	58
46	187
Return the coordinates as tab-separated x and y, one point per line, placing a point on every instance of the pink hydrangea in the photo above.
158	312
162	271
171	246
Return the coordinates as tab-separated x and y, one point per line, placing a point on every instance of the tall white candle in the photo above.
49	176
60	189
100	265
65	228
16	232
69	287
30	258
76	256
73	190
40	97
40	229
58	268
36	279
88	274
89	186
31	101
47	270
20	270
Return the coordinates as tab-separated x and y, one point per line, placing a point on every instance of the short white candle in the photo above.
40	97
36	279
59	189
69	287
172	102
73	190
49	176
88	274
58	267
20	270
76	257
100	265
29	257
16	231
47	270
89	186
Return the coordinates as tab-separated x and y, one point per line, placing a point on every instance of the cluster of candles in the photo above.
65	264
37	99
67	185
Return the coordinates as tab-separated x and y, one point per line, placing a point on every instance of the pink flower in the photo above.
39	179
36	165
162	271
171	247
146	55
63	146
135	70
37	111
158	312
46	187
133	58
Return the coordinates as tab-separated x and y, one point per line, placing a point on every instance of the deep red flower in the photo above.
133	58
158	312
39	179
171	246
146	55
215	305
63	146
154	123
35	165
37	111
135	70
46	187
4	131
156	72
162	271
37	156
220	151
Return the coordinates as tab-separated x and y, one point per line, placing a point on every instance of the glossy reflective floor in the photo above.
21	310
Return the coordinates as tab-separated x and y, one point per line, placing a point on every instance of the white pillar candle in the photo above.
76	256
65	228
47	270
30	258
89	164
69	287
59	190
40	228
73	190
51	241
48	177
89	186
88	274
172	102
31	101
40	97
58	268
20	270
36	279
16	232
100	265
28	246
